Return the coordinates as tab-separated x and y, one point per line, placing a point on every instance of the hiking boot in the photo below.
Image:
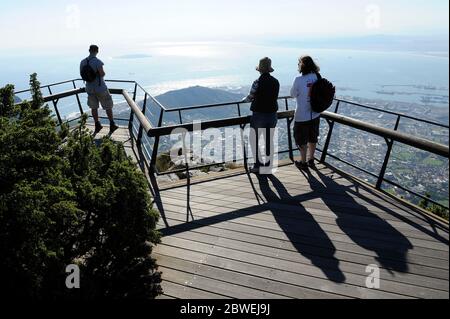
112	128
98	127
301	165
311	164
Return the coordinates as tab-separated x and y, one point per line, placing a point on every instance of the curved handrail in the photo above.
137	112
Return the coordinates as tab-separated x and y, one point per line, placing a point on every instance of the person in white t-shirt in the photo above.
307	122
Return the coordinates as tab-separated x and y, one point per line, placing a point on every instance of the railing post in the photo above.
243	148
156	146
144	108
55	105
289	122
130	123
78	99
390	144
188	179
135	92
330	132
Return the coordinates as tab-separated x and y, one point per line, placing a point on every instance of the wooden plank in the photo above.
376	194
317	204
326	217
163	297
183	292
258	283
368	221
331	275
393	260
415	269
322	261
300	187
308	226
280	274
218	287
342	227
343	244
311	200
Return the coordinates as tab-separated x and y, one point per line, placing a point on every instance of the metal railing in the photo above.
332	118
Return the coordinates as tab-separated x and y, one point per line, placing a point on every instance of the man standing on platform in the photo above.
92	72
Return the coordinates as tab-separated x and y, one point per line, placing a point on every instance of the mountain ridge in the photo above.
196	95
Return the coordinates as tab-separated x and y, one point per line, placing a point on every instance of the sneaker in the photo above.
311	164
98	127
112	128
301	165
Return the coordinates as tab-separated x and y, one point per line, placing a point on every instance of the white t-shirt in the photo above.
301	90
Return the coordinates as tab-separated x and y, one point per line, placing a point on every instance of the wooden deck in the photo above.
295	235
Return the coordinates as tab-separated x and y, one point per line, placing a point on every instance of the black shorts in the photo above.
306	132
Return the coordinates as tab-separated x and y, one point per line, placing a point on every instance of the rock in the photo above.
207	161
217	169
179	162
192	173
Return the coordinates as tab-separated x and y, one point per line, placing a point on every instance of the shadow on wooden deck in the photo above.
356	216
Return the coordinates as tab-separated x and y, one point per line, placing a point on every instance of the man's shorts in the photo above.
306	132
103	98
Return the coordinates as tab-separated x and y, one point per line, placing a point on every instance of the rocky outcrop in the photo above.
165	163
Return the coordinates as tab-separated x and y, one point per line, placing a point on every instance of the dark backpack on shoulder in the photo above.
322	94
87	73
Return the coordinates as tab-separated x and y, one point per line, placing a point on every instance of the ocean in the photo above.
411	77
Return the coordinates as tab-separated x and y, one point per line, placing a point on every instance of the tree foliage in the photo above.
435	209
66	200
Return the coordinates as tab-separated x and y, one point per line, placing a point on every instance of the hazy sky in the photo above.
49	24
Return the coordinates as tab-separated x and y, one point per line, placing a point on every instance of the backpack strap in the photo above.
319	77
87	62
98	75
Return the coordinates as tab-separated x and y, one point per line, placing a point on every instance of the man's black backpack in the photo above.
322	94
87	73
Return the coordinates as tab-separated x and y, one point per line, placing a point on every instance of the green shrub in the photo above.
435	209
65	200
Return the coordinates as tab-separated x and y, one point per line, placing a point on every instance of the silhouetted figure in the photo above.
264	99
376	234
91	70
321	256
307	122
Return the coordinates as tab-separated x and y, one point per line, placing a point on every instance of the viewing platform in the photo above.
321	233
297	235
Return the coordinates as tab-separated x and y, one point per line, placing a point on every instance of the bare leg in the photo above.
95	115
311	150
254	144
98	125
112	126
109	112
303	149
